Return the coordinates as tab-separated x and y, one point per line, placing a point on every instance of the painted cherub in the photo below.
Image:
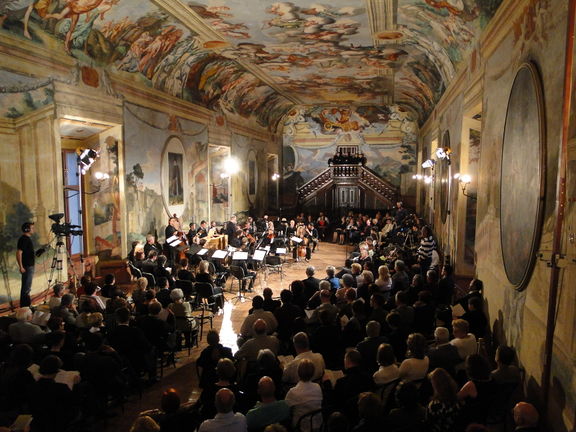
75	8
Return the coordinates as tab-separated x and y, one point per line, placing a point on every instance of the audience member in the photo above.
23	331
368	348
302	348
268	410
464	342
249	349
306	396
410	416
443	354
526	417
388	370
209	358
443	410
225	419
415	366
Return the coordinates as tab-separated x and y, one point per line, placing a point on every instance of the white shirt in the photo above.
228	422
291	369
465	346
304	397
386	374
413	369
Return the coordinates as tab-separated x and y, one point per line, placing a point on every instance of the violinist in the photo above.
269	237
192	228
250	225
201	233
302	249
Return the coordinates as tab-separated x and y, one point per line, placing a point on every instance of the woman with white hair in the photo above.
179	307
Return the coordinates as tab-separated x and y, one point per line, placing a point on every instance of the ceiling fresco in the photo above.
256	57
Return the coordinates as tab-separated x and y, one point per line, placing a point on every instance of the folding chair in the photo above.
238	274
206	303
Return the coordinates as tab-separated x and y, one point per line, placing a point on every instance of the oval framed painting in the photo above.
174	177
522	176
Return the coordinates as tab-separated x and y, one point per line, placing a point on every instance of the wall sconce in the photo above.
443	153
275	176
464	180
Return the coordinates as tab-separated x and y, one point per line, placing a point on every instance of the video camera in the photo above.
66	228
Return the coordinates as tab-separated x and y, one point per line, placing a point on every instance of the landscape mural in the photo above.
146	134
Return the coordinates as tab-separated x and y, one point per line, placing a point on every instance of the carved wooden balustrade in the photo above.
351	174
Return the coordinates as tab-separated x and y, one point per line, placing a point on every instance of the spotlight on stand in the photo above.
86	157
428	164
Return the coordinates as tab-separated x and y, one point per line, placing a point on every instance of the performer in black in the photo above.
231	229
25	260
171	229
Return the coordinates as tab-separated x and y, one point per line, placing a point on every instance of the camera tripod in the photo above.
56	267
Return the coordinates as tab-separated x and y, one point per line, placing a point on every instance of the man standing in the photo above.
231	227
25	260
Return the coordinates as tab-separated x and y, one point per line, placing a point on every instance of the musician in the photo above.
151	245
322	223
269	238
298	248
230	231
201	233
171	230
192	229
262	224
312	235
250	225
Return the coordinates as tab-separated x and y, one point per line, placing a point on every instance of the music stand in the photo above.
238	273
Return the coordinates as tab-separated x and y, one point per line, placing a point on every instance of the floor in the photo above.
183	378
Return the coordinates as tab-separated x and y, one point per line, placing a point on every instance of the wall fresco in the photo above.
387	137
147	133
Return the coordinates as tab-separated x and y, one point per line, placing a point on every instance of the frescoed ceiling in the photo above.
257	57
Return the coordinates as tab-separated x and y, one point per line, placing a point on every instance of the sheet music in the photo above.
296	239
239	255
231	248
267	248
173	239
259	255
219	254
280	251
202	252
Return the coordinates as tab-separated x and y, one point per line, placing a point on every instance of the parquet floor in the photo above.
183	378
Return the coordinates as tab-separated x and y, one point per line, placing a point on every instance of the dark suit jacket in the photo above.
311	285
52	405
156	331
444	356
368	348
131	343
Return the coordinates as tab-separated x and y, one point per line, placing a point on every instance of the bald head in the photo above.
266	388
224	400
259	327
525	415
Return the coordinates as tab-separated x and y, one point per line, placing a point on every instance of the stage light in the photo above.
231	165
428	179
100	176
465	178
456	176
86	157
275	176
428	164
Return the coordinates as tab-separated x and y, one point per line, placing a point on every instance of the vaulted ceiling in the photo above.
256	57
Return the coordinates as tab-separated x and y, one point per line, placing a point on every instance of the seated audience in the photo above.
415	366
302	348
225	419
325	305
326	340
172	415
67	310
209	358
369	413
368	348
258	312
109	286
145	424
57	293
91	296
443	410
184	273
405	311
443	354
249	349
270	304
225	378
397	336
526	417
306	396
410	415
506	373
355	381
268	410
23	331
311	284
477	321
53	405
285	316
388	370
464	342
479	393
384	281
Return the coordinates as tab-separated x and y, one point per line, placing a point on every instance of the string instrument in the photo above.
182	247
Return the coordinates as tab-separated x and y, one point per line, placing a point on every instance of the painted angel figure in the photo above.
75	8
